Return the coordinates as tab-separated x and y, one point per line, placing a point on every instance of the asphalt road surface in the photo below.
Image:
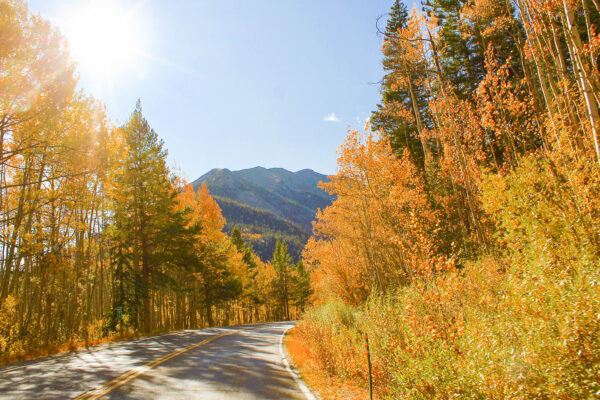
243	362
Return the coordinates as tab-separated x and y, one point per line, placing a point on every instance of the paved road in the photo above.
210	364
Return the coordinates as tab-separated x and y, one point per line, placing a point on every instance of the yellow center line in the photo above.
134	373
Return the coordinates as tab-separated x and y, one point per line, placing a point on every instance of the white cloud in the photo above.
332	118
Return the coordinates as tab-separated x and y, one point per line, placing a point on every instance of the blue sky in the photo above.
236	84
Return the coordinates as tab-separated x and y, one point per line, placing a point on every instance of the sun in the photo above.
104	37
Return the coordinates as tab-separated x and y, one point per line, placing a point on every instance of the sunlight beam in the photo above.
105	39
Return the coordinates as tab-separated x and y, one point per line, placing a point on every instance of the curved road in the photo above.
242	362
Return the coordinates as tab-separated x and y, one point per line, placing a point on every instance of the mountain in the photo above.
273	203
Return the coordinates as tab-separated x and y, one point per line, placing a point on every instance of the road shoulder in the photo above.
323	385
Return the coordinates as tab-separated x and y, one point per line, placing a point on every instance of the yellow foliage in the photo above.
374	236
9	344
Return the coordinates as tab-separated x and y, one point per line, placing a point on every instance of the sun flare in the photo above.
104	37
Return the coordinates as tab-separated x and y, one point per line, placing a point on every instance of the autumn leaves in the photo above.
98	237
465	229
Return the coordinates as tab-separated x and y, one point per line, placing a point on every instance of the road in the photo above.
210	364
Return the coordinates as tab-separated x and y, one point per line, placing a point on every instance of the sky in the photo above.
235	84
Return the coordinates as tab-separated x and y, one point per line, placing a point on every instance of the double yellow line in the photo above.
134	373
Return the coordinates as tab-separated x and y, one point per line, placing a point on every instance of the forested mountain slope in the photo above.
273	203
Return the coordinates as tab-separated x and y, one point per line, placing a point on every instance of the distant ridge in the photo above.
274	202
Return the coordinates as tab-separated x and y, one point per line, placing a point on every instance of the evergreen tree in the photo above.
142	207
301	283
401	132
236	239
466	30
246	251
250	291
397	19
282	264
463	56
218	280
219	283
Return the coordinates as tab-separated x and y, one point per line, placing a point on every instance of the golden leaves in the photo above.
375	234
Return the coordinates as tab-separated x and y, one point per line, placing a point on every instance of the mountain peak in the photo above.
291	198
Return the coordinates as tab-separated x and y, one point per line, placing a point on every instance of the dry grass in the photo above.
326	386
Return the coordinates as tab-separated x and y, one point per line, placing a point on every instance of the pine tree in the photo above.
142	206
467	29
218	280
236	238
397	19
301	284
463	57
282	282
401	132
248	256
219	283
250	291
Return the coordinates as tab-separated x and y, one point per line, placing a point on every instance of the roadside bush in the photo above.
484	334
522	322
332	332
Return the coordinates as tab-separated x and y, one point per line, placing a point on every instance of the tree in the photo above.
301	285
376	235
220	280
250	291
467	29
282	281
240	244
402	132
142	206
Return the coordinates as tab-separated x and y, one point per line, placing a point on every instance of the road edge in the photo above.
305	390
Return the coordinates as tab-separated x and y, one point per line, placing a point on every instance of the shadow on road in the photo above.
244	365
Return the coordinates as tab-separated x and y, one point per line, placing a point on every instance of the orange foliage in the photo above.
327	386
508	191
211	212
375	235
202	209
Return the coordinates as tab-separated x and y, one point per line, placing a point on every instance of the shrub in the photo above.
485	333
